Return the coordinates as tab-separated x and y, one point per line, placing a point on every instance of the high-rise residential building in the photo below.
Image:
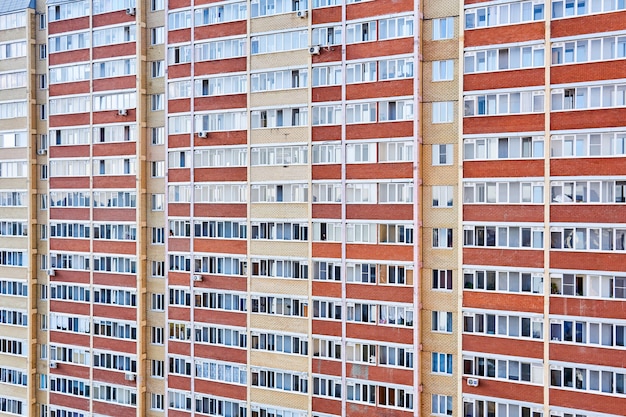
279	208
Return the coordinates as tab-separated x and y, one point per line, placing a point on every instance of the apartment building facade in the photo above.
264	209
543	224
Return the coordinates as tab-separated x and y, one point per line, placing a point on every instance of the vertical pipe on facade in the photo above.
166	196
91	211
343	207
417	188
458	198
546	213
192	199
310	207
248	204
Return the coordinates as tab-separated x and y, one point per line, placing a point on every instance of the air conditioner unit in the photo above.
314	50
203	134
302	14
53	365
42	152
51	272
472	382
122	112
131	11
129	377
197	278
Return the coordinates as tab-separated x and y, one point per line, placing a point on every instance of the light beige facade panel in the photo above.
296	363
279	98
155	153
440	217
14	242
8	390
12	64
280	248
15	332
156	187
279	59
442	384
279	211
440	8
436	300
13	271
439	90
279	135
12	361
282	22
15	123
438	132
279	398
13	212
440	49
439	258
154	18
295	287
155	251
278	323
280	173
12	301
13	34
13	94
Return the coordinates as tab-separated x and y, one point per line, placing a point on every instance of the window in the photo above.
158	236
442	154
441	363
222	49
158	269
157	168
443	28
179	20
361	32
503	236
442	238
237	84
442	279
443	70
504	59
566	8
442	195
391	69
586	145
115	68
505	14
361	72
179	54
585	50
220	122
441	322
503	325
157	102
43	52
327	75
506	281
505	192
157	202
327	115
114	35
157	35
157	69
228	372
156	335
441	405
591	238
601	96
156	400
283	343
157	135
222	13
217	300
326	36
395	27
154	6
221	335
272	118
443	112
505	147
505	103
502	368
395	110
327	387
278	268
280	380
